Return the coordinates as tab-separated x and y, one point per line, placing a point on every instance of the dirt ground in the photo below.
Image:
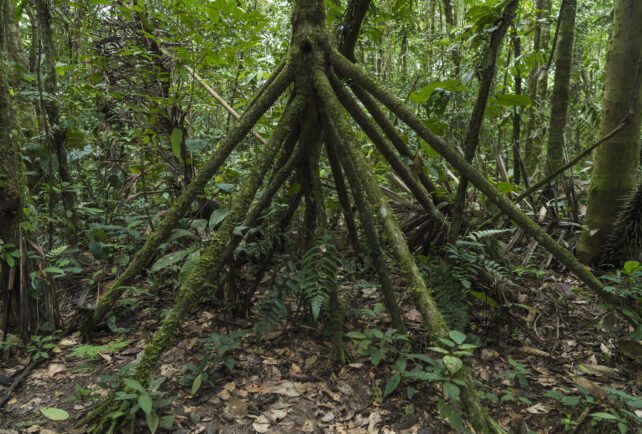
555	336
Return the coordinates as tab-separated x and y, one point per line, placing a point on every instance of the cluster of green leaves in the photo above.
617	408
135	397
412	368
313	282
627	283
40	345
92	352
220	353
451	278
146	399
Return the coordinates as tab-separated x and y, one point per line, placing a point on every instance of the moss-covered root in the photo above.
340	353
395	138
434	321
212	258
418	191
435	324
347	69
242	126
344	199
333	144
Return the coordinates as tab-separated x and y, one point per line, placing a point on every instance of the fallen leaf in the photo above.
295	369
373	420
261	427
538	409
328	417
308	426
54	368
598	370
309	362
630	348
237	407
594	389
286	387
230	387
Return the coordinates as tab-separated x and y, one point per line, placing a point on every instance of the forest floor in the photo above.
554	339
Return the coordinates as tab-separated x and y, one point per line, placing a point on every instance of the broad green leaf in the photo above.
504	187
177	140
512	100
145	402
392	384
152	421
629	266
453	364
197	383
178	233
218	215
356	335
169	259
99	234
53	413
199	224
135	385
189	265
196	145
457	337
455	420
426	92
451	390
603	415
570	400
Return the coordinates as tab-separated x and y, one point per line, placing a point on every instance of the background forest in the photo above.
320	216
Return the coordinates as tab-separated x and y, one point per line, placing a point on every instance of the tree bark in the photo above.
559	99
11	179
615	162
537	88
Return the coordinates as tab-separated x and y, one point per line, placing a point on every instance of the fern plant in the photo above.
451	278
313	282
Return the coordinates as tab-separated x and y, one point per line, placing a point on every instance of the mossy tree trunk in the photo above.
615	162
559	99
310	65
15	296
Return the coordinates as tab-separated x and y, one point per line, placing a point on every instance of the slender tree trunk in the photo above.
537	88
477	117
52	110
615	163
517	48
451	24
559	100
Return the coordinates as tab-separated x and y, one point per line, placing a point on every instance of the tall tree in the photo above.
489	65
52	109
14	293
537	87
615	163
559	99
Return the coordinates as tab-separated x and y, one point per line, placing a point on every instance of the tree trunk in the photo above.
559	99
11	178
537	88
477	117
615	163
59	134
